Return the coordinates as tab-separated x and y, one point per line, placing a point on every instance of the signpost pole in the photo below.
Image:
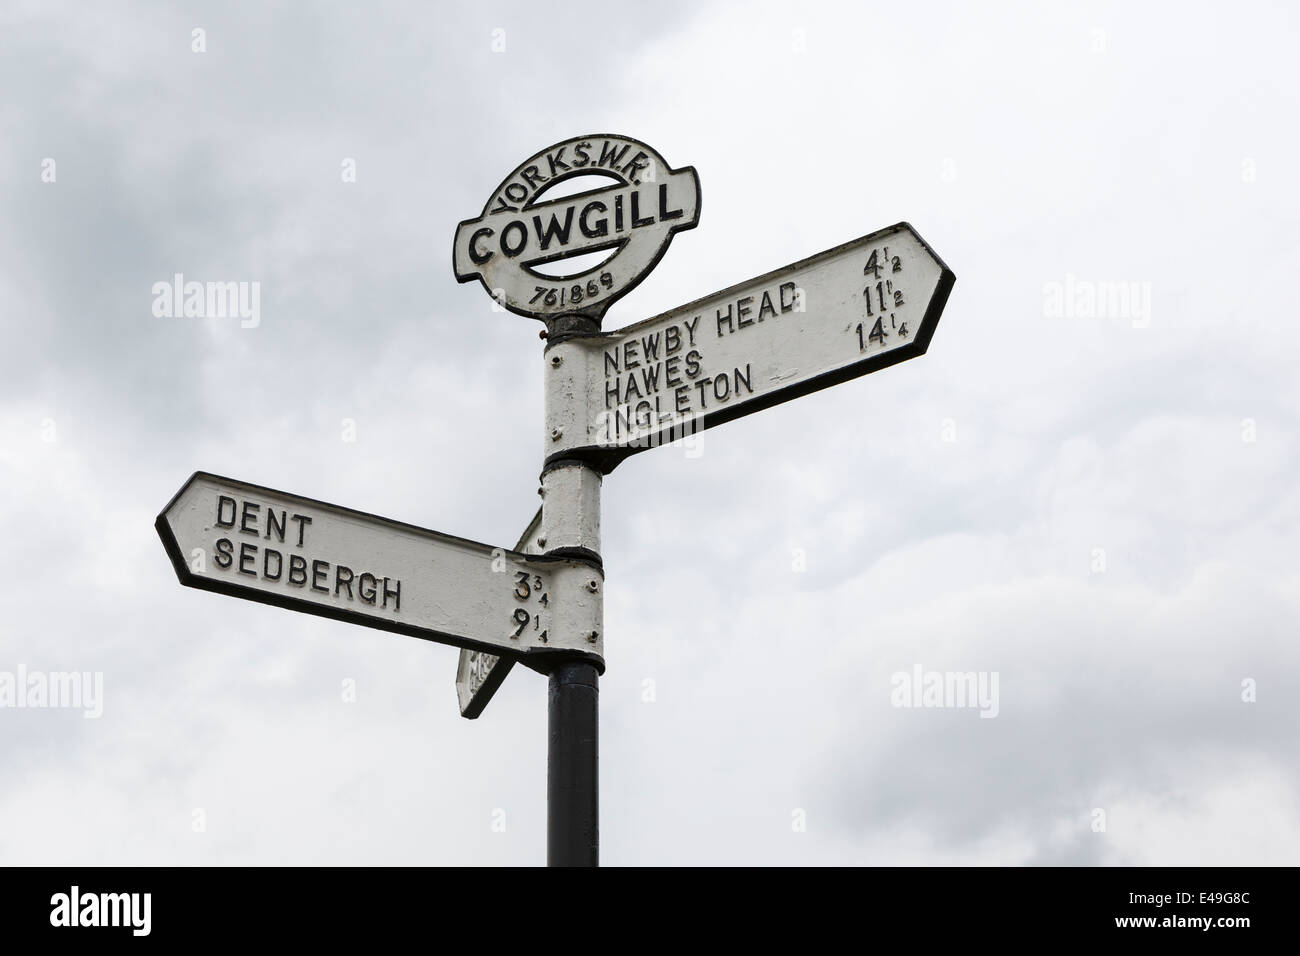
572	761
571	528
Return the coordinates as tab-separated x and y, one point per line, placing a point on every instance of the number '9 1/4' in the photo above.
571	294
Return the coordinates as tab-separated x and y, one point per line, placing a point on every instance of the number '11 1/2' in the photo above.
884	289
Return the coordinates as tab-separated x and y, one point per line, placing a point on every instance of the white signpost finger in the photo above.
263	545
840	314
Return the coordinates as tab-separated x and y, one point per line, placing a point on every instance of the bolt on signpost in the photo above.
842	313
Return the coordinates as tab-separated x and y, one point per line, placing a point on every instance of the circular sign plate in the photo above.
633	215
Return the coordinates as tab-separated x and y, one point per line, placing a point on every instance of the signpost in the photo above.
842	313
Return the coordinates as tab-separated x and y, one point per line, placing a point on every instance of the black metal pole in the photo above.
572	767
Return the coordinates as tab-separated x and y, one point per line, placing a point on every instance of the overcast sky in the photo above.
1100	508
